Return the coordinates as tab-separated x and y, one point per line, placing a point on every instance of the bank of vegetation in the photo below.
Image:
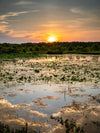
34	49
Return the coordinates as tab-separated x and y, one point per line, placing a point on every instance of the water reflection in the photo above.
38	88
63	57
35	97
74	57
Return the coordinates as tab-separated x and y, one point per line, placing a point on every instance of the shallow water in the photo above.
42	96
47	98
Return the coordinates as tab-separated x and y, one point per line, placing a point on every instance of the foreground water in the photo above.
33	90
47	98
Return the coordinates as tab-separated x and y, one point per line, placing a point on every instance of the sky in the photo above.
37	20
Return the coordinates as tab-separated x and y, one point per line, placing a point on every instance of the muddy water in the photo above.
37	100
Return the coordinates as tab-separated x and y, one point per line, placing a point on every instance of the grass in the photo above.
71	126
6	129
13	56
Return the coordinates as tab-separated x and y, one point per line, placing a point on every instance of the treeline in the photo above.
51	48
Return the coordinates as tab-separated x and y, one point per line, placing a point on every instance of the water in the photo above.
46	98
61	81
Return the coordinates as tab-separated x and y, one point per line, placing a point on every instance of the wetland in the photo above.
51	93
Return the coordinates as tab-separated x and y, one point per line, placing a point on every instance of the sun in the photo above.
51	39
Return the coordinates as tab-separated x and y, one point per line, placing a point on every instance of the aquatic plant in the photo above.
71	126
36	70
6	129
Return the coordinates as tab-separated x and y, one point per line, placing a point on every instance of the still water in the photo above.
37	101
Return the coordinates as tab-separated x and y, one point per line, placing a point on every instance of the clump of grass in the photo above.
29	79
6	129
74	78
71	126
63	78
55	75
21	78
4	81
10	78
73	72
46	78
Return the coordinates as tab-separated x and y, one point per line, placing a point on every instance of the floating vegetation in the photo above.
36	70
30	86
59	69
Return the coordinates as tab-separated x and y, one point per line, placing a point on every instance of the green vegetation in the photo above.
35	49
36	70
51	69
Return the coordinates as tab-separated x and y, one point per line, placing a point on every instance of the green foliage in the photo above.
35	49
10	78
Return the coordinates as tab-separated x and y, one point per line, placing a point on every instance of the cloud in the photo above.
38	113
54	18
4	29
4	24
76	10
24	3
9	14
13	14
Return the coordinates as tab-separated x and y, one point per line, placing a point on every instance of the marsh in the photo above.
62	86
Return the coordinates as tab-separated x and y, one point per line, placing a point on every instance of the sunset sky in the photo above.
37	20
